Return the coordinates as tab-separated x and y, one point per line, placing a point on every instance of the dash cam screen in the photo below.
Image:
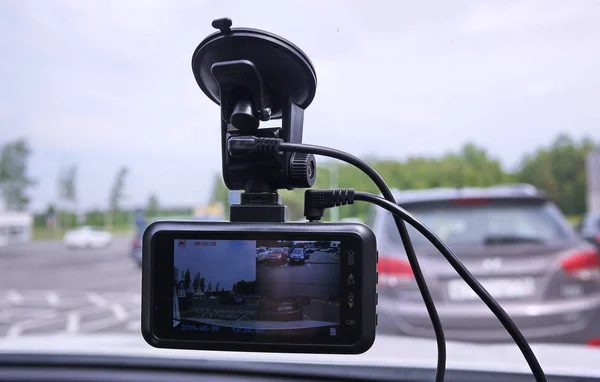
268	287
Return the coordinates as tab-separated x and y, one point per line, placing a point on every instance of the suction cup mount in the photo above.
257	76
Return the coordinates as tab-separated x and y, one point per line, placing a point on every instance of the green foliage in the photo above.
14	180
559	170
67	185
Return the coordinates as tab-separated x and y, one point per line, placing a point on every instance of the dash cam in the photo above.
257	283
291	287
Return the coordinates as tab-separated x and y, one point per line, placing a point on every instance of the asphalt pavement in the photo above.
47	288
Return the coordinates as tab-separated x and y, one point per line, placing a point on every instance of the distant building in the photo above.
15	227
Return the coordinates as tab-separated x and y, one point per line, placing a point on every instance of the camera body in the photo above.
276	287
257	283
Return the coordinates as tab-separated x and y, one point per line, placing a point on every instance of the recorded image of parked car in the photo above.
299	256
261	255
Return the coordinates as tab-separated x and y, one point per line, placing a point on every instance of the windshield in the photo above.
488	224
103	126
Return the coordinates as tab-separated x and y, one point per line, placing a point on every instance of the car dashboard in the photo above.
64	367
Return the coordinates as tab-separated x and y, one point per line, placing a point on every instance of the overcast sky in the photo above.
103	84
226	263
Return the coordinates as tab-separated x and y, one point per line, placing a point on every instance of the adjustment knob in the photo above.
303	170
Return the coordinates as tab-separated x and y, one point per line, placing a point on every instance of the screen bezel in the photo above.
158	250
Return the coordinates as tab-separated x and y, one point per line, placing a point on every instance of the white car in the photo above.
261	255
87	237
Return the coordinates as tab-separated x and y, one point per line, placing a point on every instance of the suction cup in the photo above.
268	70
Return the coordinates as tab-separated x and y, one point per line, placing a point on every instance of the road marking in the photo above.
14	297
40	321
97	300
73	322
305	316
119	312
307	263
98	325
52	298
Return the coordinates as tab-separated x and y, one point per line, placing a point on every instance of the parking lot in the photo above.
317	278
47	288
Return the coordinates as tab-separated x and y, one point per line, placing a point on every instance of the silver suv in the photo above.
518	245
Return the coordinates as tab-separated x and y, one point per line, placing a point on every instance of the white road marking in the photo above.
52	298
98	325
40	321
307	263
119	312
73	322
305	316
14	297
97	300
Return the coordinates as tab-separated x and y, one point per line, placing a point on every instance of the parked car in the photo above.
239	300
590	228
298	256
87	237
261	255
515	242
276	256
279	309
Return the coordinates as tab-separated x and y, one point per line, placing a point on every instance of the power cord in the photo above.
251	144
316	201
331	198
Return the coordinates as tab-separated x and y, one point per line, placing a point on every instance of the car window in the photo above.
103	125
471	225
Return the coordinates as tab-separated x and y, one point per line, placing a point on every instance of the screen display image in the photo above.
263	287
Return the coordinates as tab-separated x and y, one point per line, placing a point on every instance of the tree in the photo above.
117	194
217	288
196	283
152	207
210	287
14	180
187	279
175	274
202	285
67	194
560	171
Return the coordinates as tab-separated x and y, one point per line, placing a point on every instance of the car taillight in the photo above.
470	201
135	243
394	272
582	265
593	342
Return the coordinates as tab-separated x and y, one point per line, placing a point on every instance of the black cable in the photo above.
341	197
408	247
502	316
